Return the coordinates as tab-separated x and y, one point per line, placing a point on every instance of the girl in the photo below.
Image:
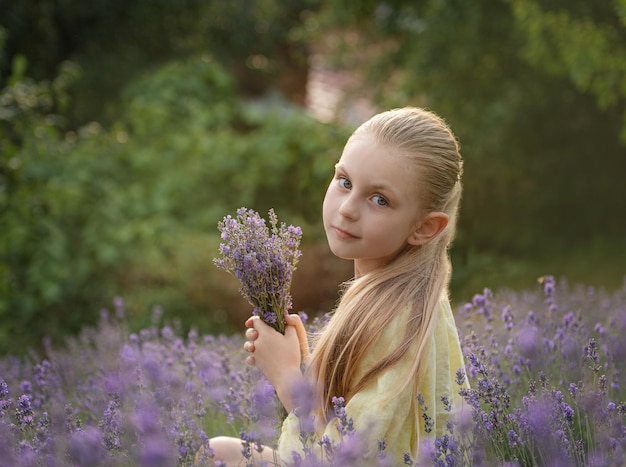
391	207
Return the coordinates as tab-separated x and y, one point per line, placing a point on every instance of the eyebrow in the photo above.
382	186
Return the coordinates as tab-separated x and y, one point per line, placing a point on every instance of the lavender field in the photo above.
545	370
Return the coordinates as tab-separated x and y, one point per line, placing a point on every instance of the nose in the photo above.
349	208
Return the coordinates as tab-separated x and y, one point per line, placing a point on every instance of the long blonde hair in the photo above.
418	276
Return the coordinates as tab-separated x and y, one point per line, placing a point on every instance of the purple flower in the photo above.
346	424
507	317
4	389
567	411
460	376
327	446
530	396
156	452
429	423
5	401
447	405
111	426
514	440
482	303
26	387
86	447
24	411
263	258
40	373
548	285
527	338
591	354
350	451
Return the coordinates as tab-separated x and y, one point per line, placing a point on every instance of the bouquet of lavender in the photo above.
263	259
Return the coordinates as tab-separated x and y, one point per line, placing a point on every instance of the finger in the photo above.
259	325
250	360
296	322
248	346
293	318
250	321
251	334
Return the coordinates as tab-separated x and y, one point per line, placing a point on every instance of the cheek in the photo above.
327	205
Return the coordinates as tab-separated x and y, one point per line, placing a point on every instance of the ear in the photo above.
428	229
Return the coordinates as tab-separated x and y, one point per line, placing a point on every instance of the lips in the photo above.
343	234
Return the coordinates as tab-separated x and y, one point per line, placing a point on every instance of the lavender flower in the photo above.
5	401
546	387
263	259
428	421
86	447
24	411
346	424
111	426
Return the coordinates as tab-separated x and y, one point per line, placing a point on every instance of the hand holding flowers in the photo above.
278	357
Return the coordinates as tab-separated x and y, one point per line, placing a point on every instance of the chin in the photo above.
337	252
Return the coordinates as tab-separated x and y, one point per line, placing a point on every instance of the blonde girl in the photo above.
391	208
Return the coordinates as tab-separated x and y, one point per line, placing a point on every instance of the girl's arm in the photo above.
279	357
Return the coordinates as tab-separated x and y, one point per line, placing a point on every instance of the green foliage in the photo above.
213	153
535	95
133	210
30	145
115	40
129	205
588	48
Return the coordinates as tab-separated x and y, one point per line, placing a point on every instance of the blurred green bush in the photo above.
128	129
132	211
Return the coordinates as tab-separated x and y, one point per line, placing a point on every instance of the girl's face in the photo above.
371	208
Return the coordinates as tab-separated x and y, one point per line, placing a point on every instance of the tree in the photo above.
113	41
132	210
540	136
585	44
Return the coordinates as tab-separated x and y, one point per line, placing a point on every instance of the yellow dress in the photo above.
393	420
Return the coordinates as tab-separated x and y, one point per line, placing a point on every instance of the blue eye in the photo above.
379	200
345	183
